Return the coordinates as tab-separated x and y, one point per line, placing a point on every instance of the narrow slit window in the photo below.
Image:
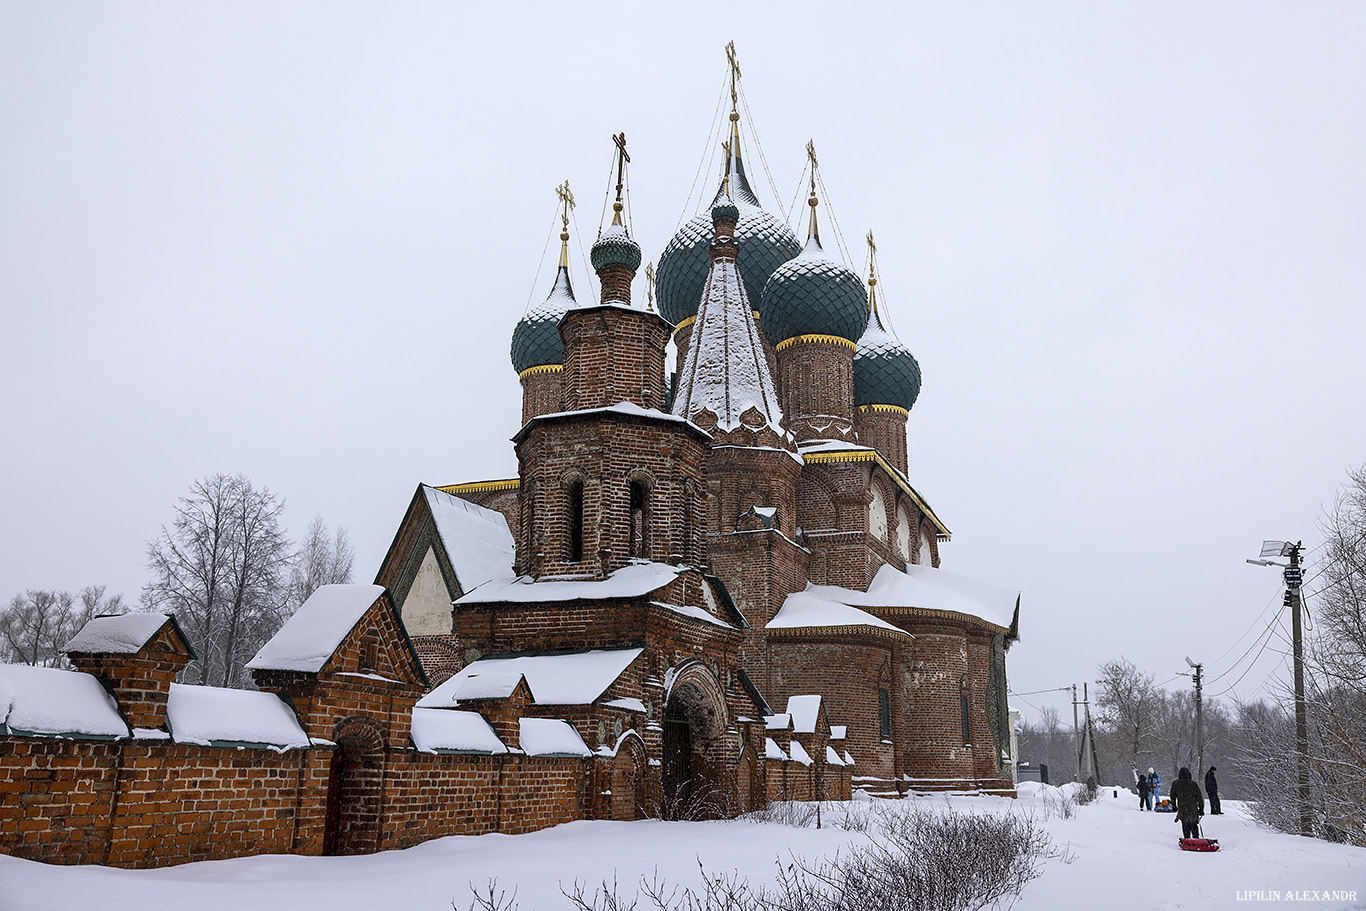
639	518
574	552
884	707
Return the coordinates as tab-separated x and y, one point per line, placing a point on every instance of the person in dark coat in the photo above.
1212	789
1143	792
1189	803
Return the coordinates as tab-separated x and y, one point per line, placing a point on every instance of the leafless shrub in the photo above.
490	898
782	812
921	860
1060	804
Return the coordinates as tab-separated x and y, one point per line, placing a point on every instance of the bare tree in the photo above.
36	625
322	558
220	568
1339	649
1128	702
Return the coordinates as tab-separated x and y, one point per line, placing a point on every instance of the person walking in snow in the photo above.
1212	789
1143	791
1189	803
1154	788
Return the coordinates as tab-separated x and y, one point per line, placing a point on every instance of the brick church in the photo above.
711	585
743	525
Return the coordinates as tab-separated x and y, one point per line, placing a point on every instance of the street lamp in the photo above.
1294	578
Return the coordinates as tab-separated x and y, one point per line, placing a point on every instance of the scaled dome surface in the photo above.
813	295
536	341
764	243
885	371
615	248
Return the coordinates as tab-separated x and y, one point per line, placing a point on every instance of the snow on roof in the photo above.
799	754
778	722
830	446
631	581
938	589
816	607
308	639
449	729
805	712
848	760
628	703
45	700
495	684
208	714
630	409
123	634
772	750
831	757
571	679
838	731
551	737
476	539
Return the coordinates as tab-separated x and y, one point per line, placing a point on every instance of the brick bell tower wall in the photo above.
883	427
613	354
604	454
542	390
816	387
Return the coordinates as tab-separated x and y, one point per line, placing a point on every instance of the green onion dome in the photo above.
885	372
764	243
813	294
536	340
614	247
724	207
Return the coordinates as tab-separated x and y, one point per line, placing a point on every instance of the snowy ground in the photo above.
1124	859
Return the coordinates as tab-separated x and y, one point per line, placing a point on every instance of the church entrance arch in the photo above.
695	718
354	785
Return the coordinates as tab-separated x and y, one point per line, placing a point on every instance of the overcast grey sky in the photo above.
291	239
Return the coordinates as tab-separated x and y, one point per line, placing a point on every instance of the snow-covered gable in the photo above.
799	753
805	712
219	716
831	757
47	701
632	581
578	678
310	637
726	369
779	722
838	731
123	634
477	540
449	730
550	737
818	608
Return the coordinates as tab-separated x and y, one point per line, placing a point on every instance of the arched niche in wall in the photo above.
877	513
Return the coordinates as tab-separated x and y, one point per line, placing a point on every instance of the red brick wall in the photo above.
611	355
884	431
542	392
141	682
816	389
155	804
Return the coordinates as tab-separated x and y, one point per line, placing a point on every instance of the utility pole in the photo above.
1294	578
1199	719
1076	736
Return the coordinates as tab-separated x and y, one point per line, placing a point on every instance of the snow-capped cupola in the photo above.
763	243
615	254
725	383
813	294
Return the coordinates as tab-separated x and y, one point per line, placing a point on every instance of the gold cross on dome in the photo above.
872	245
566	198
811	156
734	62
622	159
650	285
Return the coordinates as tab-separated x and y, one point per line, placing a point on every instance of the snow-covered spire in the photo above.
725	382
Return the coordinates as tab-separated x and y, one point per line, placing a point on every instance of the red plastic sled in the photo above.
1199	844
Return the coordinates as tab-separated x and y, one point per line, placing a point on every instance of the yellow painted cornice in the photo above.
684	323
815	340
889	409
872	455
852	629
481	487
541	368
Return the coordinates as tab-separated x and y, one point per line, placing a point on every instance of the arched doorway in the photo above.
354	785
628	779
695	717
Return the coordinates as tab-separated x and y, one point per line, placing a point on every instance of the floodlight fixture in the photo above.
1276	549
1189	662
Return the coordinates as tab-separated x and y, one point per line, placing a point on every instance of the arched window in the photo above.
574	540
640	519
903	534
877	514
